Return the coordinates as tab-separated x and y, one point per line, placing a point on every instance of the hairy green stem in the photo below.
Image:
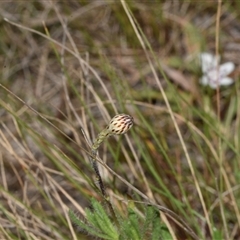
119	124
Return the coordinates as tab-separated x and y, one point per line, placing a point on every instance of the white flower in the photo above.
214	74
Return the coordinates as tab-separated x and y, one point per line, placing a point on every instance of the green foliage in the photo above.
133	226
217	234
97	222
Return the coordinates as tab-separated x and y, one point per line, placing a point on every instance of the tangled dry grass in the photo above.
68	67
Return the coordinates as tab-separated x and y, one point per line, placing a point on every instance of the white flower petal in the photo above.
204	80
220	72
222	82
226	81
208	61
213	74
226	68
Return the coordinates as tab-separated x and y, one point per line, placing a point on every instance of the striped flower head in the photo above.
120	124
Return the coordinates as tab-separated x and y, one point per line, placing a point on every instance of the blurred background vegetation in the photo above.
78	63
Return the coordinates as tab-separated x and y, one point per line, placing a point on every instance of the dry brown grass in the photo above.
78	64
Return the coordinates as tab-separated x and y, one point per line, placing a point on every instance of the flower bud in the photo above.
120	124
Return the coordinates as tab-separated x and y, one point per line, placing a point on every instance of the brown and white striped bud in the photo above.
120	124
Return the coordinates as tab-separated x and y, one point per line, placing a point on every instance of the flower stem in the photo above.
119	124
